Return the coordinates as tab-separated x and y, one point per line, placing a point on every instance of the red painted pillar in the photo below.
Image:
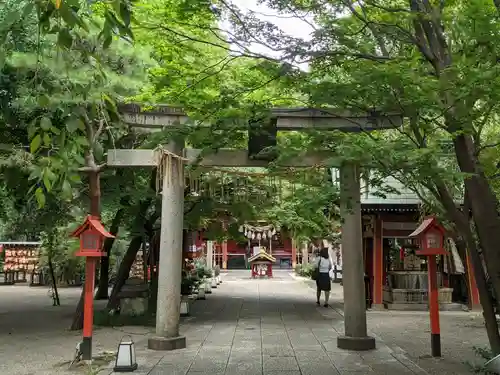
474	302
434	307
224	255
378	266
88	308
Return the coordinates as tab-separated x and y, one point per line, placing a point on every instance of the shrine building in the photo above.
233	254
398	277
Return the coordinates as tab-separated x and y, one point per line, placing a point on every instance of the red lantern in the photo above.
92	235
431	236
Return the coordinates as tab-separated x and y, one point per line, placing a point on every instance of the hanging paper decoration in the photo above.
253	236
240	229
264	235
269	233
258	236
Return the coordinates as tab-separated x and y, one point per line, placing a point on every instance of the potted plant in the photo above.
187	284
201	273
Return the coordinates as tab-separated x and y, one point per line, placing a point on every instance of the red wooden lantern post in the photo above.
92	235
431	237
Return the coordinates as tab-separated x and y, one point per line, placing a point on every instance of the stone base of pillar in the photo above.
356	343
377	307
167	343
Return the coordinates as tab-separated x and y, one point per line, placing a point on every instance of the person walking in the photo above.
322	269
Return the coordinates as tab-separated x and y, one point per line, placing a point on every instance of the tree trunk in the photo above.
102	289
124	271
486	300
141	225
305	253
485	297
432	44
484	208
77	322
54	282
133	248
461	221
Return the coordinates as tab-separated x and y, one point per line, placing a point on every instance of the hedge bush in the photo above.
304	270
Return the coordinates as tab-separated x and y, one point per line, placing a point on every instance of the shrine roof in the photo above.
262	256
428	223
92	223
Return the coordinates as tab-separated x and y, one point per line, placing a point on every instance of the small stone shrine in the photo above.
261	264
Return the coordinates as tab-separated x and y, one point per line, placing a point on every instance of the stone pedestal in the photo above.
378	307
166	343
355	337
169	276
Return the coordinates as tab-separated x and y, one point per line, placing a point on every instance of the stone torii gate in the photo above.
168	307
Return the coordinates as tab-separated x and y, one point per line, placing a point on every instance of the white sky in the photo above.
288	23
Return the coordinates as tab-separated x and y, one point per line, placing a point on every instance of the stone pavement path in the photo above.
248	326
267	327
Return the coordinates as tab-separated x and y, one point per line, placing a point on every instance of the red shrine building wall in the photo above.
232	254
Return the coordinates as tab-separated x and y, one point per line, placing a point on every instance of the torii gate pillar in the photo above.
355	335
169	267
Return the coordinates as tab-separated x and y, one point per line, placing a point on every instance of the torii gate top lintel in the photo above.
287	118
301	118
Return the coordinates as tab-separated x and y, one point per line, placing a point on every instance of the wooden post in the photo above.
88	308
434	307
294	254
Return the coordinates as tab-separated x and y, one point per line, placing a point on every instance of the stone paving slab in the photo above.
250	313
268	327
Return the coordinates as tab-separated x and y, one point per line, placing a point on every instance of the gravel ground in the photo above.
34	335
460	333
